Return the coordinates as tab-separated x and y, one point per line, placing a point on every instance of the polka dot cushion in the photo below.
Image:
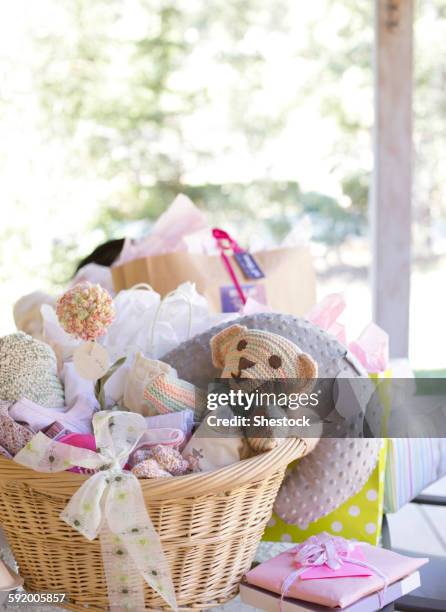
302	500
357	518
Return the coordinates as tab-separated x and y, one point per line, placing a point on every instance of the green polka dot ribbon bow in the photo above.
110	504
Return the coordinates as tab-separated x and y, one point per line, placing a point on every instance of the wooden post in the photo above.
392	183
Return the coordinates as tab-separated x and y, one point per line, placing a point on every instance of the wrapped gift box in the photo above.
333	572
265	600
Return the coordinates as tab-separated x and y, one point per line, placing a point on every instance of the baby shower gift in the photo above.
332	571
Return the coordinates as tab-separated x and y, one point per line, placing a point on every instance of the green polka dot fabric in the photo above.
358	518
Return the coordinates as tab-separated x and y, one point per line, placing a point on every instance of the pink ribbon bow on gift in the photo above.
226	243
325	549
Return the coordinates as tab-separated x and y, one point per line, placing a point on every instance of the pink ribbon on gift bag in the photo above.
226	243
332	551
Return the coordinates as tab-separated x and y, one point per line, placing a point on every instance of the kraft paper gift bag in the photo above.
288	284
358	518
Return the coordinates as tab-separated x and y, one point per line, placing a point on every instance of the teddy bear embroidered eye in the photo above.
257	355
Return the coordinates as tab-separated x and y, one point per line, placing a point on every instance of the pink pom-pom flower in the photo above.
85	311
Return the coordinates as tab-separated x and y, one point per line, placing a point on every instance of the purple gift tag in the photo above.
248	265
230	299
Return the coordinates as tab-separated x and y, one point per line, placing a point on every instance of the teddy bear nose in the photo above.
244	364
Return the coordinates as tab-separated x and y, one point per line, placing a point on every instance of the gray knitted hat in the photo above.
28	368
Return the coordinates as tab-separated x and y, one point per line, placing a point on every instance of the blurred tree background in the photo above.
260	111
211	99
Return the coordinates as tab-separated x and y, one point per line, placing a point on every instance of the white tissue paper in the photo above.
144	323
147	324
153	326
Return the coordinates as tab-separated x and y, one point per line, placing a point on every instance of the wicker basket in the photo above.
210	525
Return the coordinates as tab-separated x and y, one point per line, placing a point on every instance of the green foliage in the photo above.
124	91
269	206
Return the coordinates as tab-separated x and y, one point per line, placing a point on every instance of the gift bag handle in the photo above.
142	286
188	301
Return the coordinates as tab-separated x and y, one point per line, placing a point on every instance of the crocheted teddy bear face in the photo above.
244	353
255	355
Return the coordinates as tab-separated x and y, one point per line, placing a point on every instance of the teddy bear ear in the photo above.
222	341
306	368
